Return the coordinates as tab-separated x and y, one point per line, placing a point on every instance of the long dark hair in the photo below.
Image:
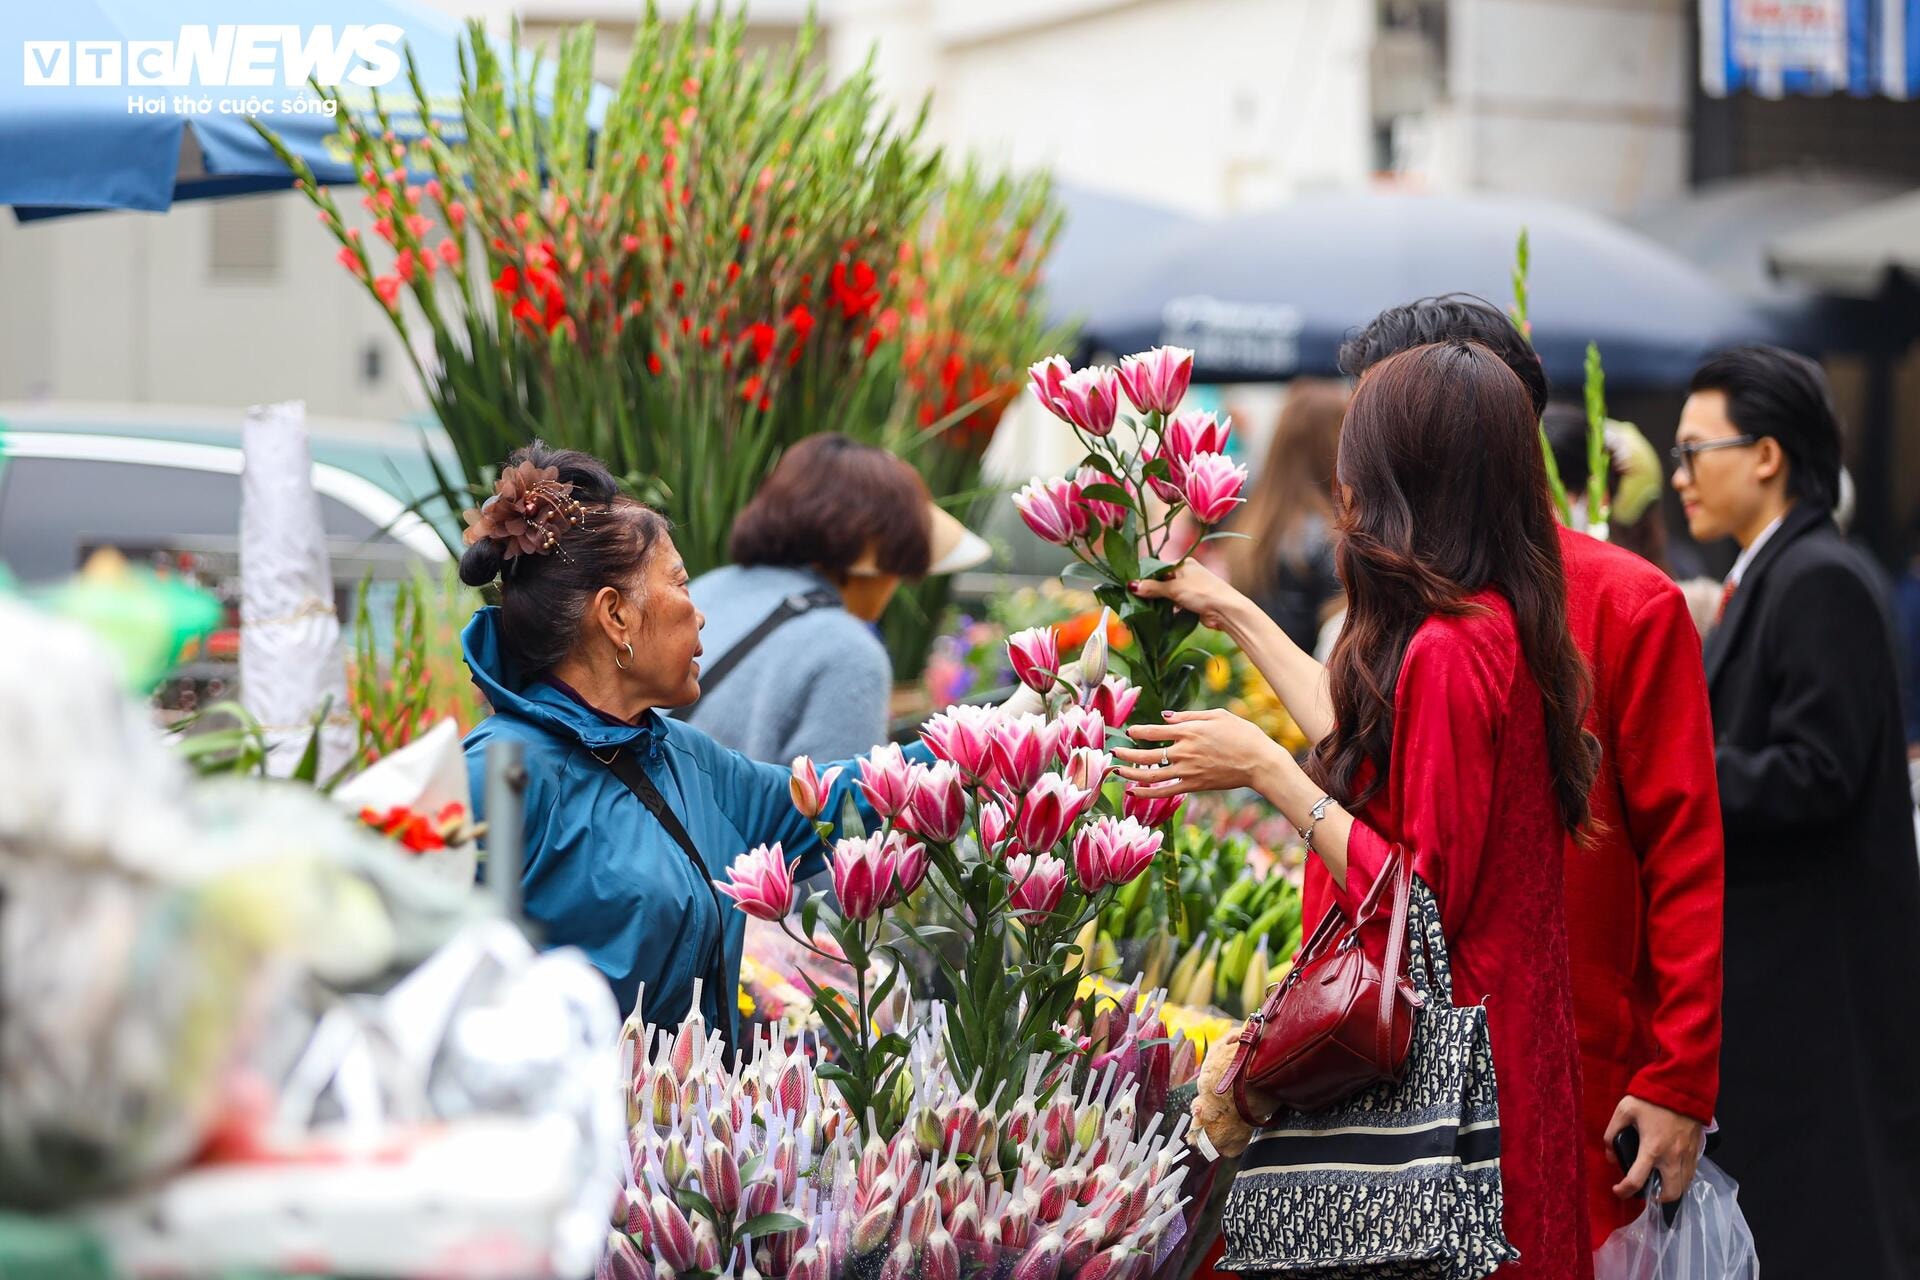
1441	453
544	597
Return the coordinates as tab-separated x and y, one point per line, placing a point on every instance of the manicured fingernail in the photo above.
1166	715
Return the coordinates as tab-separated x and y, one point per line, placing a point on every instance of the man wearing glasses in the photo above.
1822	1000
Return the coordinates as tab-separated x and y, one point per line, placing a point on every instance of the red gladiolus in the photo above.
383	227
419	224
457	215
350	259
762	336
450	252
653	363
854	289
733	272
403	265
388	289
508	281
750	388
746	233
629	243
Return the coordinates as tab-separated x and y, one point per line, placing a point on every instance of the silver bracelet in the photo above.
1317	812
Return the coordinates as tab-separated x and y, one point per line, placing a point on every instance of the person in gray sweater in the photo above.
794	665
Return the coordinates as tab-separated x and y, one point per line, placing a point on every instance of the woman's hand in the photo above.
1196	589
1204	751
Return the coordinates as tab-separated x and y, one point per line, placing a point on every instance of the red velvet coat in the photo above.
1644	892
1469	794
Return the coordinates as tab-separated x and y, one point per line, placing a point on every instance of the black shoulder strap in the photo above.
624	767
792	607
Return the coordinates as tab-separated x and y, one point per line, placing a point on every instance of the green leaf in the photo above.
1120	555
1217	534
1081	571
1115	597
1104	492
694	1202
770	1224
850	823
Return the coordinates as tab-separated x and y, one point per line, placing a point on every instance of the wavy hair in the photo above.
1446	495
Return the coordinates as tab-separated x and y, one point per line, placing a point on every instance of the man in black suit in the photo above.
1820	1058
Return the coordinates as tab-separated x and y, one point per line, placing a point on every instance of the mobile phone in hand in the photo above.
1626	1149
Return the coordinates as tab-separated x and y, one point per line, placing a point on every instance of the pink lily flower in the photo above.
1022	746
883	779
994	828
1081	727
909	868
1053	509
809	787
1154	812
1048	810
1156	380
1212	487
1114	698
863	871
1190	434
1035	654
937	805
962	736
1048	376
1038	884
760	882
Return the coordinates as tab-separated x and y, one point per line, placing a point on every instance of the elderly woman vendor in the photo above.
630	816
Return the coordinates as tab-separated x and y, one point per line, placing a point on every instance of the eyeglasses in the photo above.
1687	450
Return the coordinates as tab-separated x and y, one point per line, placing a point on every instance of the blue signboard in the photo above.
1785	48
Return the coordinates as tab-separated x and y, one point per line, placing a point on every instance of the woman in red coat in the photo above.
1449	722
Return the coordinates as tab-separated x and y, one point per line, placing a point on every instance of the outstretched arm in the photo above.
1298	681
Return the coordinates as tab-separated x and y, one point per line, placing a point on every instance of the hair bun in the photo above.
481	562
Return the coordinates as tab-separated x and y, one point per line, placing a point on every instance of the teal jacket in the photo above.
600	873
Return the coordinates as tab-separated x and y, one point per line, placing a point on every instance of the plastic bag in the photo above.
1709	1238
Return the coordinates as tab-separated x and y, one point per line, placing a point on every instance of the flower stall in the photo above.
722	256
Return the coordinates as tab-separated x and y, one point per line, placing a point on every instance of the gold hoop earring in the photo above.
628	646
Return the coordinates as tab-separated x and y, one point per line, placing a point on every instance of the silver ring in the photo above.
1165	759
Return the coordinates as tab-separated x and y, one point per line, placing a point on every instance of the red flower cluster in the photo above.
415	832
855	288
539	281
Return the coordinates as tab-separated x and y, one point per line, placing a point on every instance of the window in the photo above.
246	240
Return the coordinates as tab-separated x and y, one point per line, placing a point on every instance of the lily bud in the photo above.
899	1263
720	1180
1086	1129
1056	1133
1015	1222
790	1094
1042	1261
1084	1239
786	1165
948	1188
927	1131
941	1260
873	1161
962	1122
720	1125
1053	1200
1020	1120
666	1099
924	1215
623	1258
806	1265
873	1228
1110	1264
673	1161
1093	654
757	1198
634	1218
969	1234
706	1247
672	1233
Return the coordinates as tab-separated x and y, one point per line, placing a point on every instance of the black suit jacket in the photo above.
1820	1071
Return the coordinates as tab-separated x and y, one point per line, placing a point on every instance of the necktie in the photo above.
1726	598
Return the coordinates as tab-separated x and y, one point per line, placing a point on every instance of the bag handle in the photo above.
792	607
1396	874
627	769
1402	875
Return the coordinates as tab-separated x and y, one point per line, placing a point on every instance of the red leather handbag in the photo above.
1339	1021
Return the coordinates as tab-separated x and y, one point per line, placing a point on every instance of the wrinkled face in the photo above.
1723	487
668	648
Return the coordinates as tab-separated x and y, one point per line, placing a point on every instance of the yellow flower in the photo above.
1219	673
746	1004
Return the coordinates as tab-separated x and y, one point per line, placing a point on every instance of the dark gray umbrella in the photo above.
1267	296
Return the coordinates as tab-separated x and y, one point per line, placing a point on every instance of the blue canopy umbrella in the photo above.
133	104
1271	295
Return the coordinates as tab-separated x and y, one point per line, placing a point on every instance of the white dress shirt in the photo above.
1752	549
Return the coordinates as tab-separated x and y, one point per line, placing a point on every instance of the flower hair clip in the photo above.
528	511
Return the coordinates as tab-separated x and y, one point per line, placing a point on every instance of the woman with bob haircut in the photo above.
1448	722
796	667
